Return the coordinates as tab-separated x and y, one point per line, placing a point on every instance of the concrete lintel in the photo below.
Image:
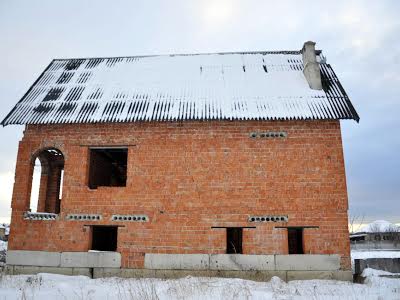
91	259
307	262
177	261
33	258
240	262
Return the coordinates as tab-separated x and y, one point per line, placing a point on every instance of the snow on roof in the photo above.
233	86
379	226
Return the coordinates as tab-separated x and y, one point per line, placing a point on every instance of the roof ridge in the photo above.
286	52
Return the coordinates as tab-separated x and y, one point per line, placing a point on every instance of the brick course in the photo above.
187	177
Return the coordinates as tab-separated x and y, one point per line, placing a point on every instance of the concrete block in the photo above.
240	262
329	275
309	275
9	270
176	261
307	262
91	259
124	273
19	270
343	275
82	271
33	258
261	276
174	274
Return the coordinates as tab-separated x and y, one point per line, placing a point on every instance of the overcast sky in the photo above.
359	38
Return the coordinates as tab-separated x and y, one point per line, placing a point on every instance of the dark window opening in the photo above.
234	238
107	167
295	240
357	238
104	238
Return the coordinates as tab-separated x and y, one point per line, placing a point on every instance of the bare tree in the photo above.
356	222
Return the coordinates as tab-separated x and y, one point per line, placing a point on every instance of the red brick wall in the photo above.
188	177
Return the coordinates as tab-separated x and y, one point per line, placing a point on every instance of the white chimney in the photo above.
311	66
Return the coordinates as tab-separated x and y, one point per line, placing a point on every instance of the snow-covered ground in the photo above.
49	286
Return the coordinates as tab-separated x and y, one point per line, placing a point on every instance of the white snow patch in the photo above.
49	286
3	245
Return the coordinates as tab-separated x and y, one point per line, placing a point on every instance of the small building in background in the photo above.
378	235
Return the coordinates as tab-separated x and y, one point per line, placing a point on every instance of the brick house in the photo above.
227	164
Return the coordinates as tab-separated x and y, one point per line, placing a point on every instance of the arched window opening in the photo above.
48	173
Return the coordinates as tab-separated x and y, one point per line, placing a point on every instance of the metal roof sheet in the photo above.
230	86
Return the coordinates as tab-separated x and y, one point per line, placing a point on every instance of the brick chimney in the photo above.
311	66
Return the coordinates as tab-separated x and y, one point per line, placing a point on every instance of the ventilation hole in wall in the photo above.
280	134
131	218
268	219
83	217
253	135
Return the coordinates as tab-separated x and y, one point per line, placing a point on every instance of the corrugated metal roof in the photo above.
233	86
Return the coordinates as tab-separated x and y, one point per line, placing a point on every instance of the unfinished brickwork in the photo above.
191	179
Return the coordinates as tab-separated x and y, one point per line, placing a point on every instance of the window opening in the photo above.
107	167
46	184
104	238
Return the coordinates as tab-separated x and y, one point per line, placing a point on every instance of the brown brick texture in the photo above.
189	177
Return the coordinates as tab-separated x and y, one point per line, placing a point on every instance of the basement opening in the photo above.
108	167
295	240
47	168
234	237
104	238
